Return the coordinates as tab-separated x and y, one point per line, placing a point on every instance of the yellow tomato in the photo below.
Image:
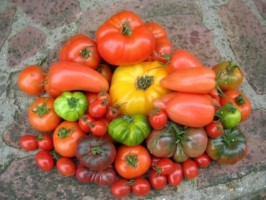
134	87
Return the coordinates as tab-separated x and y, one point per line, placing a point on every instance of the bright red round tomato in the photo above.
113	112
164	166
203	160
98	108
190	169
31	80
45	142
28	142
121	188
158	118
98	128
214	129
176	177
141	187
44	160
84	122
156	180
66	166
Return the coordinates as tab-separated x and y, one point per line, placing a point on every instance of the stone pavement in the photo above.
214	30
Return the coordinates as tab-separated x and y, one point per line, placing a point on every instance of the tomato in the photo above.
229	115
113	112
96	153
84	122
31	80
80	49
141	186
98	128
176	177
91	97
228	75
182	59
193	80
214	129
45	141
42	116
157	181
44	160
132	161
68	76
65	138
123	39
105	71
98	108
121	188
134	87
158	118
239	100
28	142
71	105
203	160
66	166
190	169
164	166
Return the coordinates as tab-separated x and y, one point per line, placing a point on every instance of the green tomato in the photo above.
71	105
129	130
229	115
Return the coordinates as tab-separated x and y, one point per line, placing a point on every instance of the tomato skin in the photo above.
31	80
132	161
45	142
190	169
141	187
121	188
65	138
84	122
214	129
98	108
156	180
229	115
203	161
106	72
42	115
164	166
28	142
66	166
113	112
176	177
44	160
158	118
98	128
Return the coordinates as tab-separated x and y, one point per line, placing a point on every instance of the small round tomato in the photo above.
28	142
229	115
106	71
176	177
214	129
44	160
113	112
66	166
190	169
156	180
158	118
164	166
84	122
121	188
141	187
31	80
98	108
45	142
98	128
91	96
203	160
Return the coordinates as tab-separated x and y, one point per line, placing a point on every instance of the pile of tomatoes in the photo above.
129	111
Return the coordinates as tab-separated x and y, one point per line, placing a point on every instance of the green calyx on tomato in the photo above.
129	130
71	105
41	110
64	132
144	82
229	115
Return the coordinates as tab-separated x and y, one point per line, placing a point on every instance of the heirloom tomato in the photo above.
134	87
229	115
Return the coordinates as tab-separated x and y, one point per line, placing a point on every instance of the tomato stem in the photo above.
126	28
72	102
85	53
240	100
96	150
64	132
128	118
144	82
132	160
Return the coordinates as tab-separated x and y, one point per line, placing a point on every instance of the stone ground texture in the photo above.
213	30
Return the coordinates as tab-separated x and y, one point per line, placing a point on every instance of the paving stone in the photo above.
25	44
261	6
248	41
50	13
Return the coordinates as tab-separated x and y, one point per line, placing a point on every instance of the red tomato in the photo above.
176	177
106	71
28	142
31	80
158	118
98	108
80	49
214	129
164	166
190	169
121	188
66	166
113	112
203	160
91	97
84	122
98	128
104	97
45	142
141	187
156	180
44	160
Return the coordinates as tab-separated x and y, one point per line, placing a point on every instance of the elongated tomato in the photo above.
69	76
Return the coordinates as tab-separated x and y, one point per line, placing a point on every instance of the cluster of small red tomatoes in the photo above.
186	104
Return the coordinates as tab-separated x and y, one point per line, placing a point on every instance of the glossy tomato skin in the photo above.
158	118
203	161
45	142
229	115
164	166
121	188
190	169
106	72
28	142
42	116
31	80
157	181
98	128
66	166
214	129
84	122
176	177
98	108
141	187
44	160
132	161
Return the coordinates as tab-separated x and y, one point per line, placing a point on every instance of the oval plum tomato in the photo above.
42	116
239	100
176	177
31	80
141	186
190	169
44	160
98	128
156	180
214	129
164	166
106	71
158	118
84	122
98	108
203	160
66	166
28	142
45	141
121	188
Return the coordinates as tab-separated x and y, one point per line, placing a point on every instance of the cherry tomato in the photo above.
84	122
156	180
44	160
66	166
98	128
158	118
141	187
164	166
113	112
176	177
190	169
98	108
45	142
28	142
203	160
121	188
214	129
91	97
105	71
